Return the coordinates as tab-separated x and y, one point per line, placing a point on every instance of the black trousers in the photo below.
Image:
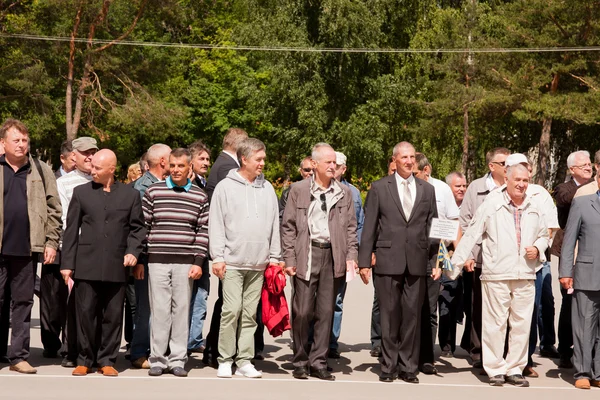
471	340
429	321
448	303
375	320
565	327
314	302
400	300
53	309
99	321
5	321
19	273
130	306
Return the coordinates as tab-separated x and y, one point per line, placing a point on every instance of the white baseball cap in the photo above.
516	158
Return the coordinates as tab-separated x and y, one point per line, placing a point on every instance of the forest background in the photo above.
452	106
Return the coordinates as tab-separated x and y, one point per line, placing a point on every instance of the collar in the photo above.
232	155
490	183
4	162
315	188
171	184
401	180
512	204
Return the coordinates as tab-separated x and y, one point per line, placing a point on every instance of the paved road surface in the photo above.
356	372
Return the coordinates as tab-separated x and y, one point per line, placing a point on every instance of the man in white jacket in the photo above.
244	238
514	238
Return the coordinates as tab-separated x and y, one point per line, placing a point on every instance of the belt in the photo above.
320	245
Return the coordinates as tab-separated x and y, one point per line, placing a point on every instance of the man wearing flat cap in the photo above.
55	309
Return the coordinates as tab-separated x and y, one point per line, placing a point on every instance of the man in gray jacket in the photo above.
583	276
319	246
244	238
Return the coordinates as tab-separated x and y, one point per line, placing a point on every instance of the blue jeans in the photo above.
200	292
336	328
541	309
140	344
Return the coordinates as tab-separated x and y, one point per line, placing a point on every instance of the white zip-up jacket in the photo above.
494	224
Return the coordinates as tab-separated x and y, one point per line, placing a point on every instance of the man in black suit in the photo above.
580	166
104	235
225	162
398	214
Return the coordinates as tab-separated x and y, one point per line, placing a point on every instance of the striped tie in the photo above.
407	203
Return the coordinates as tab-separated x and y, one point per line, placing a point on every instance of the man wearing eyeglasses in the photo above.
580	167
474	197
319	245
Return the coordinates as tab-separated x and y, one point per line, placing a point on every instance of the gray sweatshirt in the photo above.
243	223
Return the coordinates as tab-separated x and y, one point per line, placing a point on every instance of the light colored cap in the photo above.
84	143
340	158
516	158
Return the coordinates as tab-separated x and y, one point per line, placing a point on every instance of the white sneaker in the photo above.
248	371
224	370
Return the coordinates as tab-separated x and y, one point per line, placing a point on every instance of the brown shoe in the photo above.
595	383
141	363
582	384
530	372
108	371
23	367
81	371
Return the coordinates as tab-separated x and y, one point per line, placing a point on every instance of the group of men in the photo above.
93	235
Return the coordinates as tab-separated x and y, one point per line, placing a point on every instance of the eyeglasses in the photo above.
323	202
306	169
588	165
500	163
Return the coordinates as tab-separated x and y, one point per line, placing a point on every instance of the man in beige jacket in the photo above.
514	237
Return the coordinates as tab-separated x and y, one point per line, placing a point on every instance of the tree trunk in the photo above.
544	155
465	156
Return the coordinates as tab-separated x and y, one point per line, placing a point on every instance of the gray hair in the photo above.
454	174
514	168
401	145
574	155
597	157
156	152
248	147
316	150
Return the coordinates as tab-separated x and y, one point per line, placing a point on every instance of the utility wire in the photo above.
303	49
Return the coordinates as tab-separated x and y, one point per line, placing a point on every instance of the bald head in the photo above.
104	164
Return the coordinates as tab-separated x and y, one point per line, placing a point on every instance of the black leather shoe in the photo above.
517	380
66	363
477	364
333	353
446	354
300	373
497	380
387	377
259	357
550	352
565	363
322	374
376	352
428	369
408	377
4	360
179	371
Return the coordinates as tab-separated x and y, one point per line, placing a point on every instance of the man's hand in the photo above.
282	266
138	272
365	274
290	271
436	273
566	283
373	259
49	255
219	269
66	274
195	272
129	260
532	252
351	265
469	265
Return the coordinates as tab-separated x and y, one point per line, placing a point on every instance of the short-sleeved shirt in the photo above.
15	237
446	205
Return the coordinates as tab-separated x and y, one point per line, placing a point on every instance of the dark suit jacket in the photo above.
112	225
399	245
582	230
563	195
223	164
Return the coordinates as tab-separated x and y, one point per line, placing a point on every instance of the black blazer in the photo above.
398	244
223	164
112	225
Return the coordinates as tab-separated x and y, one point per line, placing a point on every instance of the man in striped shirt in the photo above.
176	214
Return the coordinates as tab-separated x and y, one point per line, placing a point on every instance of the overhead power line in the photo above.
303	49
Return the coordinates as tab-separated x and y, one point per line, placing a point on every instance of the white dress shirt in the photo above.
412	188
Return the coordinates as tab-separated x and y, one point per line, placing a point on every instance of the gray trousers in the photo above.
170	293
584	319
314	300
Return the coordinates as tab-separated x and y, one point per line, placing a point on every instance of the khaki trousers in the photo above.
509	301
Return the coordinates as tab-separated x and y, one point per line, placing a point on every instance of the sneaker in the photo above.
497	380
248	371
517	380
155	371
224	370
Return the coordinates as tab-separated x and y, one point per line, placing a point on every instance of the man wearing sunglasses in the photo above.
319	245
306	171
474	197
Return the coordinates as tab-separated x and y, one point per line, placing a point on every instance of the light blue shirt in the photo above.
171	184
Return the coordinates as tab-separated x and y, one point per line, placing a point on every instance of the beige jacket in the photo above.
494	225
43	207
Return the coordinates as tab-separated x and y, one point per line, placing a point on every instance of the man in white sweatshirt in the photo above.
514	237
244	238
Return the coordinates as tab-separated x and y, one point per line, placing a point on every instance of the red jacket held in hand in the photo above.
275	313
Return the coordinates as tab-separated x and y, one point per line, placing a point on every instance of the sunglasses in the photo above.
323	202
500	163
306	169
